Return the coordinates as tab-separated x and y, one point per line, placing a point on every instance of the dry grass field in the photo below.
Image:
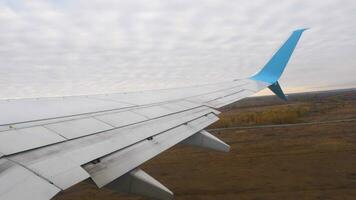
288	162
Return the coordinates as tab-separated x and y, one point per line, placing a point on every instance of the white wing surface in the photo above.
49	144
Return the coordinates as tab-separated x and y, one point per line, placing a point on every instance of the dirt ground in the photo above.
294	162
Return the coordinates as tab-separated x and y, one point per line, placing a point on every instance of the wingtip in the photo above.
301	30
274	68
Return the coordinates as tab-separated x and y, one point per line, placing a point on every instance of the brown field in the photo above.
289	162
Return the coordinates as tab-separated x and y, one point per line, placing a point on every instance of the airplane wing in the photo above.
49	144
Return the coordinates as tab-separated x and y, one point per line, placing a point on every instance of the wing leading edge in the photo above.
58	142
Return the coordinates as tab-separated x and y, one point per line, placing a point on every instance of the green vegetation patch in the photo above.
279	115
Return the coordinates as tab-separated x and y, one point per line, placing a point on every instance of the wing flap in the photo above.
119	163
60	170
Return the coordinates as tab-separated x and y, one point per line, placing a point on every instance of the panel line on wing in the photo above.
114	100
55	132
32	171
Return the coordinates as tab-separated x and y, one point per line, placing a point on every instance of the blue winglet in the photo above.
271	72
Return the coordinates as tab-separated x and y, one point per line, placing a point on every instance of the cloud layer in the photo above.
64	47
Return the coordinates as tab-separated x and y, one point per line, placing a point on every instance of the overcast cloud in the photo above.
68	47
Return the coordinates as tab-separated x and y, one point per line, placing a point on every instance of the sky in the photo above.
72	47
